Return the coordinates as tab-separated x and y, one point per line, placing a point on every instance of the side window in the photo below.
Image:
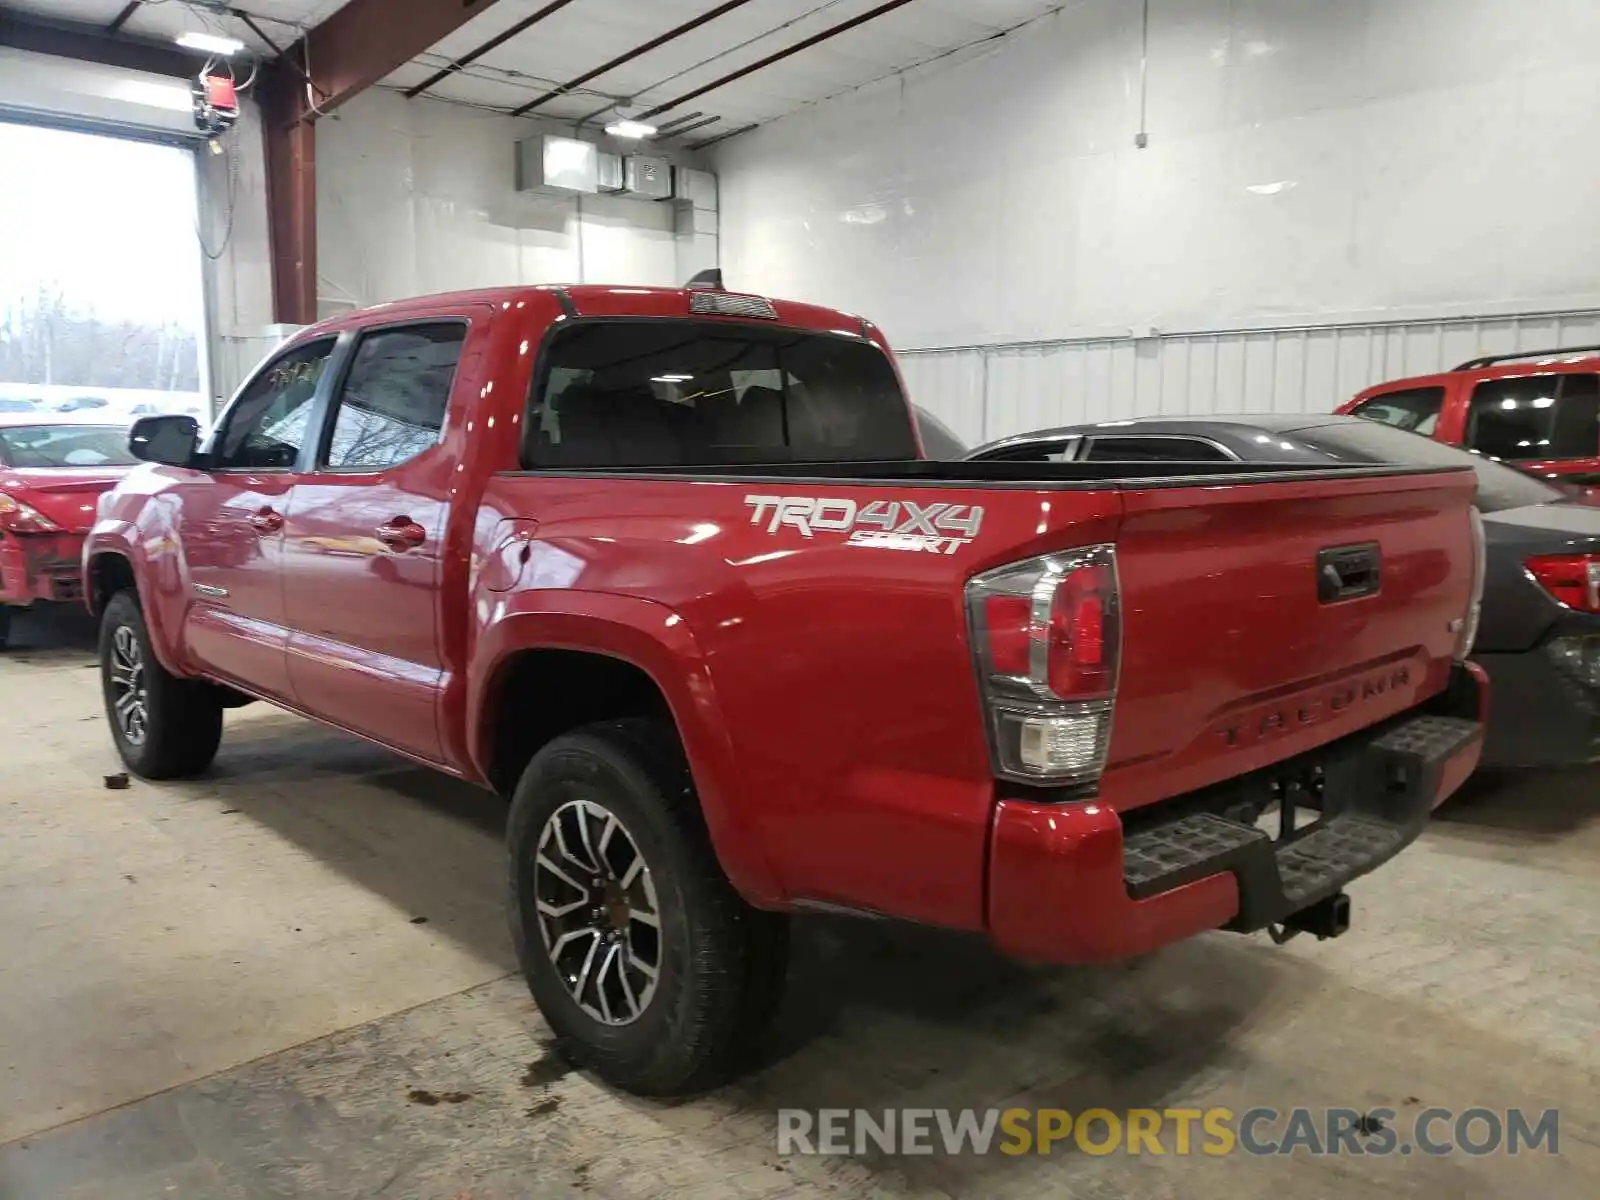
392	405
266	428
1533	417
1413	409
1153	449
1575	433
1051	451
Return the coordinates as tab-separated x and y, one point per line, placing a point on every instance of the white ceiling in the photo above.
586	33
162	20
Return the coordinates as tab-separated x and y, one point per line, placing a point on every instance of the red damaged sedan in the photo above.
52	472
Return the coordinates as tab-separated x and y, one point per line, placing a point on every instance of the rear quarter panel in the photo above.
825	691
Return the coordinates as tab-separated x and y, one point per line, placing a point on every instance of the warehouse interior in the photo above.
291	975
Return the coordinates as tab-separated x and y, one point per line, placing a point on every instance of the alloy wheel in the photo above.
597	910
128	699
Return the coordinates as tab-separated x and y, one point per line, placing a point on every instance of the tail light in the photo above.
1047	637
18	517
1573	579
1480	570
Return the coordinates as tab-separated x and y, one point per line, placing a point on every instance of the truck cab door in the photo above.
364	538
230	519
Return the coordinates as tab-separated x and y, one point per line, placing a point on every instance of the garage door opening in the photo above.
102	301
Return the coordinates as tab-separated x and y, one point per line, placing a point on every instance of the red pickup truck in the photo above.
1538	410
667	568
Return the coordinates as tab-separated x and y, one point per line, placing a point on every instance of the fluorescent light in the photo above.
211	43
633	130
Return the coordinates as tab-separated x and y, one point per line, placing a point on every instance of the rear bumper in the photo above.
40	566
1073	883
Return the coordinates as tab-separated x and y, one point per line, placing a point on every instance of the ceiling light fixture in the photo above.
622	127
211	43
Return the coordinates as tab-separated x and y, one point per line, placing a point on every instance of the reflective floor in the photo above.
293	979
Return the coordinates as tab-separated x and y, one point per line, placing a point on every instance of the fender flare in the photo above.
657	641
121	540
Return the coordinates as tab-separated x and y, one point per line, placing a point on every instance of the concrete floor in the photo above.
292	979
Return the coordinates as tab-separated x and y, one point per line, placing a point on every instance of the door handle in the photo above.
402	533
266	521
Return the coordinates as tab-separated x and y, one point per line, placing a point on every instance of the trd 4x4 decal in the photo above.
882	525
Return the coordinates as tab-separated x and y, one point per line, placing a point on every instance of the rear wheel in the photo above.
5	625
647	965
165	727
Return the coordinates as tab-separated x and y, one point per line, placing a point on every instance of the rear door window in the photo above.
642	393
395	394
1534	417
1413	409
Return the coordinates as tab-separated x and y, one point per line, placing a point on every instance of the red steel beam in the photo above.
833	31
367	39
349	52
637	52
291	162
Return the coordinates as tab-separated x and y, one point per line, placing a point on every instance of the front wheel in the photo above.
649	968
165	727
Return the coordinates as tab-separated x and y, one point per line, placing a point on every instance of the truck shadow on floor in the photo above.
876	1013
1532	806
51	635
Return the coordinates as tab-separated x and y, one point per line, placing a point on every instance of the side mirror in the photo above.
169	439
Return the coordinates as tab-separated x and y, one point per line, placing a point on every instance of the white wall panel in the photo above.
418	196
1310	162
986	392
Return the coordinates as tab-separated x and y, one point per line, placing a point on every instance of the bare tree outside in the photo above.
100	280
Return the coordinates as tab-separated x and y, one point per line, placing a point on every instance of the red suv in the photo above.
1539	411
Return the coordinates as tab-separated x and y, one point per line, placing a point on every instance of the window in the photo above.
1413	409
394	398
65	446
682	393
266	427
1533	417
1153	449
1040	450
1499	487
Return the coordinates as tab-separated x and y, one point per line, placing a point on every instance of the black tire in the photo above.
721	963
182	718
5	625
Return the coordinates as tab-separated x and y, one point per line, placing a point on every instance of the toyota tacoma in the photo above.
669	569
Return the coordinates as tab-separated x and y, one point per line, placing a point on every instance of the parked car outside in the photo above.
53	470
79	404
1539	411
1540	636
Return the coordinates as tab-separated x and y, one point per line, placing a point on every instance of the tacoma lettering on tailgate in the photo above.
882	525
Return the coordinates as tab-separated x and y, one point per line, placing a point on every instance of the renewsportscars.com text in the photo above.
1474	1132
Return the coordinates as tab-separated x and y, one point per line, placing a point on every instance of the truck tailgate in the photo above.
1263	621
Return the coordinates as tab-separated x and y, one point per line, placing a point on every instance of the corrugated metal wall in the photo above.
985	392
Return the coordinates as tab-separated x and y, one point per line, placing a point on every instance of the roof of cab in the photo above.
591	300
1510	368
